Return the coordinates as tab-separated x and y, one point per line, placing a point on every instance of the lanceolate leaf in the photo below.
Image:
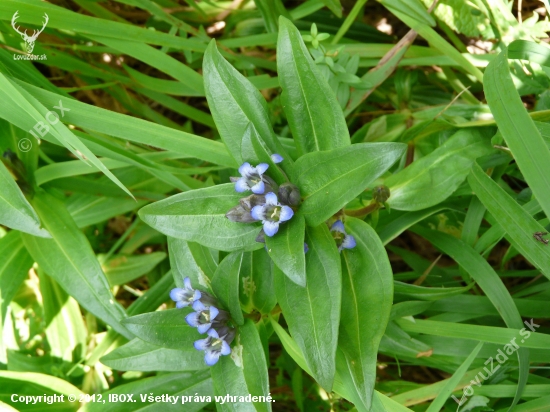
226	284
138	355
69	259
367	296
439	173
199	216
286	249
235	103
313	113
15	211
518	129
313	312
166	328
243	373
329	180
189	259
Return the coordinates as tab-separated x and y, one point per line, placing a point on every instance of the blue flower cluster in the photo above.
208	319
263	205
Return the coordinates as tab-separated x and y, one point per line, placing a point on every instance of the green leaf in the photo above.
225	285
367	297
427	293
166	328
334	6
69	259
14	268
122	269
199	216
411	8
517	222
439	173
313	312
314	115
65	329
518	129
262	286
243	373
190	259
450	386
15	211
138	355
235	103
183	384
29	383
286	249
329	180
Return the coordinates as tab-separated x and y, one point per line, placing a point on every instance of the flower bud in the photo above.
240	214
253	200
289	194
381	194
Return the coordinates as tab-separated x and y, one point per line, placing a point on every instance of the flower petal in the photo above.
204	328
213	333
245	169
211	357
348	242
226	349
286	214
271	199
198	306
197	295
270	228
258	212
213	313
177	294
241	185
258	188
261	168
201	344
193	319
182	304
338	226
187	283
277	158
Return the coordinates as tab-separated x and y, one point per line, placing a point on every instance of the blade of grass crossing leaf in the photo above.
449	387
517	222
490	283
520	133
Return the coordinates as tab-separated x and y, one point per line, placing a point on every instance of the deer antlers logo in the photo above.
29	40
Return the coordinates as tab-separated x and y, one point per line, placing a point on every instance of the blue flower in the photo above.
185	296
272	213
277	158
213	347
203	318
252	178
348	241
